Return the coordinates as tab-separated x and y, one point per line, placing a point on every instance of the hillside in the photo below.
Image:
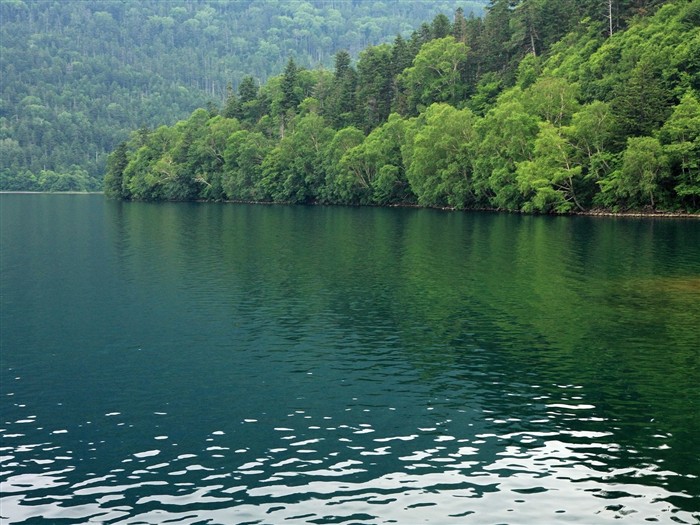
78	75
521	111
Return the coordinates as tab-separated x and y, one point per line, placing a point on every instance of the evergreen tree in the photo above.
642	102
440	27
290	95
249	106
116	164
232	106
459	27
344	86
375	86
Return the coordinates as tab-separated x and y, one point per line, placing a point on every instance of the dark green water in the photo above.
205	363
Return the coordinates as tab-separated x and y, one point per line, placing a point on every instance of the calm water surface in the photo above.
205	363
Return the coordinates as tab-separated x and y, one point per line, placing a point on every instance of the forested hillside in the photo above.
542	106
78	75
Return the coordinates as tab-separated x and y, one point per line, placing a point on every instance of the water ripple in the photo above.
269	365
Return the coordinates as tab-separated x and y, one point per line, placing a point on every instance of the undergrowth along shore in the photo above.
588	213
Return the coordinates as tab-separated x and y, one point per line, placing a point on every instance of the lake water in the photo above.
218	363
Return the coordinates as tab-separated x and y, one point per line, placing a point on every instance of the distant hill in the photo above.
78	75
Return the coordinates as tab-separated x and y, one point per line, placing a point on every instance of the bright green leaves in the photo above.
549	180
292	172
680	137
505	137
551	99
372	172
566	160
334	189
438	157
637	184
244	156
435	75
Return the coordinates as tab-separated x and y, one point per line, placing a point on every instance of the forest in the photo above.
544	106
79	75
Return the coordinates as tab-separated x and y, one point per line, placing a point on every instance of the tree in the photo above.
487	91
206	157
459	27
592	133
680	138
344	86
116	164
373	172
495	36
374	86
401	59
141	180
290	95
638	183
549	180
435	74
344	140
438	157
249	107
551	99
506	136
293	171
243	160
247	89
232	107
440	27
641	103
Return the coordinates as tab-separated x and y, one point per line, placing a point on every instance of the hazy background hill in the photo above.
79	75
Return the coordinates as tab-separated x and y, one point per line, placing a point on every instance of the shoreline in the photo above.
639	214
587	213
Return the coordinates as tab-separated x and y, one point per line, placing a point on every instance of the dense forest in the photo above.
78	76
550	106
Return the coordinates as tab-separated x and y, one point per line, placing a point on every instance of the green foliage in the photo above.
292	172
333	189
242	171
544	127
79	74
76	179
342	97
438	157
116	164
373	171
506	137
549	180
435	75
553	100
680	137
638	183
641	103
291	93
374	86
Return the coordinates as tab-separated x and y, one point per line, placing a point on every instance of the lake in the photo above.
219	363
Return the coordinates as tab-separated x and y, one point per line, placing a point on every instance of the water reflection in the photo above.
325	365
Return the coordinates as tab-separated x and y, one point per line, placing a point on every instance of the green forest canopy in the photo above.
79	75
549	106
